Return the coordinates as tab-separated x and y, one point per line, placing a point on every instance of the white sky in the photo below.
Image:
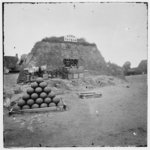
118	29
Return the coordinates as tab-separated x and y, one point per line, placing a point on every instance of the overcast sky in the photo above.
118	29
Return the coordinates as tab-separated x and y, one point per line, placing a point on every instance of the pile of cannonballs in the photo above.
39	95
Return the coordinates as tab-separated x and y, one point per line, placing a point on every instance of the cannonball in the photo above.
52	104
47	89
26	107
34	85
60	103
43	84
43	105
25	96
56	100
34	96
16	108
39	100
43	95
51	95
38	90
39	80
30	102
35	106
47	100
30	90
21	102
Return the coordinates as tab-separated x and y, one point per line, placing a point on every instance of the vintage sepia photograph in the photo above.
75	74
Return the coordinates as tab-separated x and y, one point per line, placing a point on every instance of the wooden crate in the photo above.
75	76
70	76
45	76
81	75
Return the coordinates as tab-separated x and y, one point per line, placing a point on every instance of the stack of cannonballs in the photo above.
39	96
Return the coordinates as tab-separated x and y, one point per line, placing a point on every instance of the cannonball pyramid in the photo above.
39	95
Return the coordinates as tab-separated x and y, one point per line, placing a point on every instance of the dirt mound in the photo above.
89	82
96	81
52	53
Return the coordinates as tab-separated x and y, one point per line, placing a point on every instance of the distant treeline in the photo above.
141	69
126	70
80	41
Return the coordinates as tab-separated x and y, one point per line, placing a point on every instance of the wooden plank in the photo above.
90	95
87	93
38	110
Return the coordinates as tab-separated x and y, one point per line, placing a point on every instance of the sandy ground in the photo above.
118	118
